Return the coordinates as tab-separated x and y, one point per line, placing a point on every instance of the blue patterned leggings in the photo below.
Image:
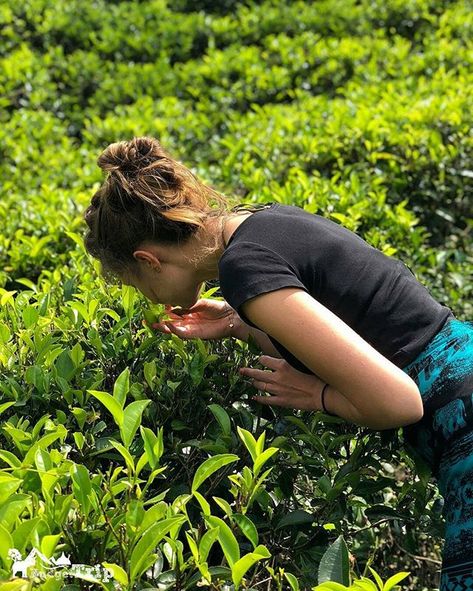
443	372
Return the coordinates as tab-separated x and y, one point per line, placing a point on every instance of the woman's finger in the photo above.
270	387
271	362
272	401
173	328
256	374
161	327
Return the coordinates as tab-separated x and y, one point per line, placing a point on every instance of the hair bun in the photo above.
129	157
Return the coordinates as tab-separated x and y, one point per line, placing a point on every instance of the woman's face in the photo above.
164	279
170	286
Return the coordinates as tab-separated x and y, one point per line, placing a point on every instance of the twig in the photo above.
432	560
375	524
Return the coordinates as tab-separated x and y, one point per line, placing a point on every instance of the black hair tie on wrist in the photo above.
323	402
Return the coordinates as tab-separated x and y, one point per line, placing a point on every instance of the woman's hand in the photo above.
289	387
206	319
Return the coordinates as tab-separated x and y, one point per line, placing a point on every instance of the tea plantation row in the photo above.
142	454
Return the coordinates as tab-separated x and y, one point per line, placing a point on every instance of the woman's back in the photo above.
376	295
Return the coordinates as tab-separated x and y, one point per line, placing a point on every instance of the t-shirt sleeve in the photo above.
248	269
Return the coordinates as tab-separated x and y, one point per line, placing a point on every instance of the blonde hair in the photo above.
147	195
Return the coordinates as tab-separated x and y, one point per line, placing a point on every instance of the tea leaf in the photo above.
242	566
122	387
110	404
131	420
148	542
117	572
209	467
222	417
334	564
247	528
226	539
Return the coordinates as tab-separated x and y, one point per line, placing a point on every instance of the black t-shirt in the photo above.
376	295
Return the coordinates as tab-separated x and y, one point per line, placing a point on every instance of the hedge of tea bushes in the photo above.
357	111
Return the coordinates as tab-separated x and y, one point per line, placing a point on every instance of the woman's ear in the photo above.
147	258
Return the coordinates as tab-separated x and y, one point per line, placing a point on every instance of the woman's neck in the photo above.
208	245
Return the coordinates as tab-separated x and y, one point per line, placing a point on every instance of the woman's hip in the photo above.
443	371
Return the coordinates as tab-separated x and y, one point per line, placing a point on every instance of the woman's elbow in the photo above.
408	412
417	413
412	409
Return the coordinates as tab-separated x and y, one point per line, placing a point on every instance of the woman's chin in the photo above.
187	303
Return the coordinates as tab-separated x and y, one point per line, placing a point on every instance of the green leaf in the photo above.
45	441
15	585
82	486
10	458
226	539
260	443
222	418
110	404
377	578
6	405
242	566
135	513
150	316
126	455
12	509
6	543
149	371
122	387
30	316
205	506
295	518
335	565
131	420
5	334
49	543
128	300
209	466
292	580
247	527
196	369
207	541
330	587
80	415
81	309
141	463
148	542
224	505
262	458
209	292
324	484
38	246
153	515
153	445
8	485
23	532
364	584
249	441
77	238
77	355
394	580
193	546
117	572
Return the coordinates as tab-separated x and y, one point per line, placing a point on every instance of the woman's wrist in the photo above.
323	401
236	326
239	329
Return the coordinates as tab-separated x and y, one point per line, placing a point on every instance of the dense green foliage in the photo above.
120	447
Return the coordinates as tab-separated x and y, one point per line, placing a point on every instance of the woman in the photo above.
344	328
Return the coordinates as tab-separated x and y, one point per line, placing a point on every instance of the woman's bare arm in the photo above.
242	332
366	387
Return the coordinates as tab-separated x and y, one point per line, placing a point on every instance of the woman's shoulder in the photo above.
278	226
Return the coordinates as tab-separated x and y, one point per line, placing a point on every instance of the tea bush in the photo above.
140	458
